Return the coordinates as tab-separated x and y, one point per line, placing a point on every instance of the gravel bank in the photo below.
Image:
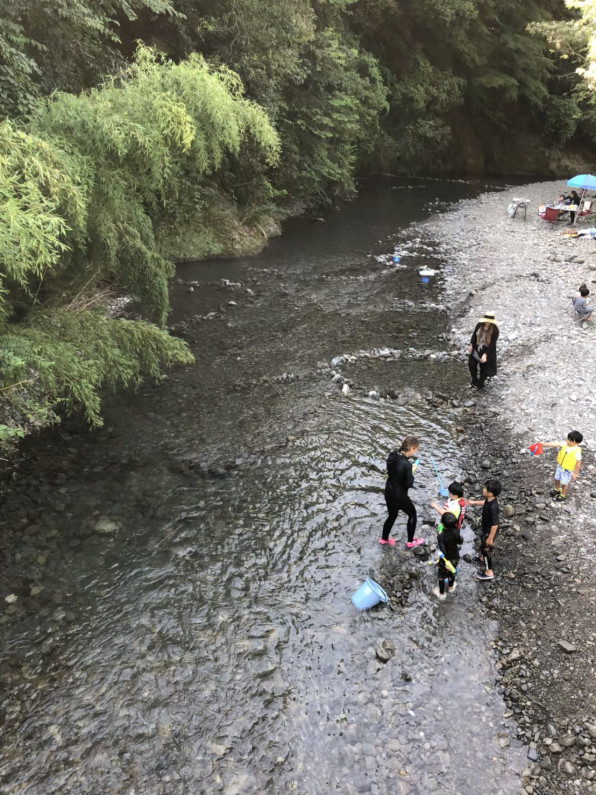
545	596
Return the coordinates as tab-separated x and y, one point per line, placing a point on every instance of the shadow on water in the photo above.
205	641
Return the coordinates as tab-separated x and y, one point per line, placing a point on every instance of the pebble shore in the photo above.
544	599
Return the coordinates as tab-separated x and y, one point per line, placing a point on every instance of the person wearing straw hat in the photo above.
482	350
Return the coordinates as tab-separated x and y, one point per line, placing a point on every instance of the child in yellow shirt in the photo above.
569	459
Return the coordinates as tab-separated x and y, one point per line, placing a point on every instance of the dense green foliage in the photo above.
572	40
61	44
85	192
264	108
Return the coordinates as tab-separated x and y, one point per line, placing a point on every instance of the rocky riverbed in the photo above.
175	591
544	599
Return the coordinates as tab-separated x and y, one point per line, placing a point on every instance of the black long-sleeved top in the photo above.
490	350
400	477
449	543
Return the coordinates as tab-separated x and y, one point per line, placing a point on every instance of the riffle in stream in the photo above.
183	621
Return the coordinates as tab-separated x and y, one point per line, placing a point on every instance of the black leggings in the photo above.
477	371
487	554
445	574
395	504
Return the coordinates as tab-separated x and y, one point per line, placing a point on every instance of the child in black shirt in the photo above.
449	540
490	525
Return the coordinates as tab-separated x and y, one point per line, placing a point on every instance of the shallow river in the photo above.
205	641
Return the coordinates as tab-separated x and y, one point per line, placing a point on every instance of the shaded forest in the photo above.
134	132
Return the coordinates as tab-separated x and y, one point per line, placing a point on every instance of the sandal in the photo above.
414	543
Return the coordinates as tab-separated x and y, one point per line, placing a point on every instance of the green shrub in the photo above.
86	191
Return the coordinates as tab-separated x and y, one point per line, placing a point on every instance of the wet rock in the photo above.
567	647
385	650
106	525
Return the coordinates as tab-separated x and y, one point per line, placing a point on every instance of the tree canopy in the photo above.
114	155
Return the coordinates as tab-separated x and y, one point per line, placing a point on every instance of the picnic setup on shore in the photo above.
573	207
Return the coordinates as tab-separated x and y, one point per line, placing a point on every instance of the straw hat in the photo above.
489	317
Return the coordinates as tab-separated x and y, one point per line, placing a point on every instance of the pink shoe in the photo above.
415	543
389	541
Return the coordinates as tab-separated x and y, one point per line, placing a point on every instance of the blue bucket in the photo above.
396	259
368	595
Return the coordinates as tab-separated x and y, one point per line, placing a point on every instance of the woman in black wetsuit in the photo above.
400	478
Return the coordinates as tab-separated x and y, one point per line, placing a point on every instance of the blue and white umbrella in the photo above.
583	181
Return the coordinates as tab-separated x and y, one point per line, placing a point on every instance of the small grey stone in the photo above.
533	755
567	647
566	767
485	464
591	729
508	511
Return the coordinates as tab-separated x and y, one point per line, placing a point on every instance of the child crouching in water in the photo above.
449	540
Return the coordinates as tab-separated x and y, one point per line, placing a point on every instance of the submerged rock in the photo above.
106	525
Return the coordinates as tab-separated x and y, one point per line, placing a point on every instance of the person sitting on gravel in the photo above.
482	351
490	526
580	304
449	541
569	459
454	503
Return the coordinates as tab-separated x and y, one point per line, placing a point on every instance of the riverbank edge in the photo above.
558	727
